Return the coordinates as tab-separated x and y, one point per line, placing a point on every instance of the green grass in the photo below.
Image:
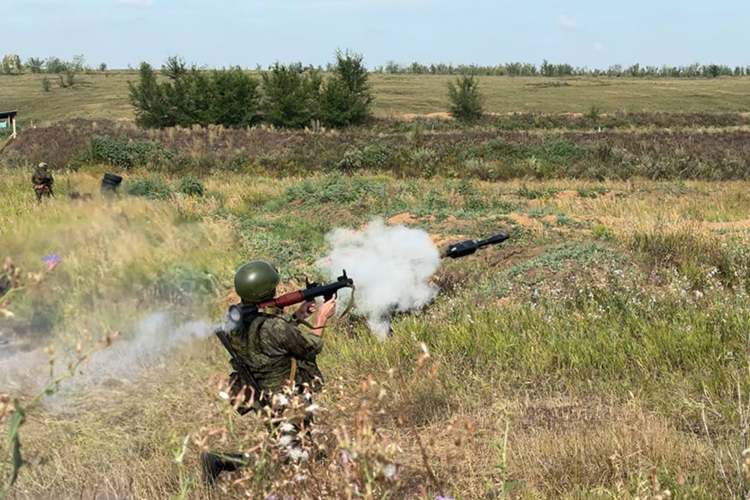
593	342
104	96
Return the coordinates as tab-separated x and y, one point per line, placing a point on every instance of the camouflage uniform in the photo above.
42	180
273	347
269	346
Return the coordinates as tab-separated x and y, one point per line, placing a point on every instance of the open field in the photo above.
602	352
104	96
607	338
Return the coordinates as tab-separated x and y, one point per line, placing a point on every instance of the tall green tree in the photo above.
347	96
290	96
149	99
235	98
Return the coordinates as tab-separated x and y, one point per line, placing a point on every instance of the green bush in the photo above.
465	99
153	188
373	156
346	98
290	96
56	65
122	154
190	186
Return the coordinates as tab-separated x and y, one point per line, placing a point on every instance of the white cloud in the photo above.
137	3
599	47
566	22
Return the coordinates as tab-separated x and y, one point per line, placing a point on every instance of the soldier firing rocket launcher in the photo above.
240	315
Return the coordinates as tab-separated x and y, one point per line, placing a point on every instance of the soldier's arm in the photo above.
299	344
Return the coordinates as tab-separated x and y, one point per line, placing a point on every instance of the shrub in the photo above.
347	97
290	96
55	65
46	84
465	99
374	156
153	188
70	78
120	154
103	67
191	186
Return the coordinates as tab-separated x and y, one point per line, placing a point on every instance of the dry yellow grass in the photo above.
519	397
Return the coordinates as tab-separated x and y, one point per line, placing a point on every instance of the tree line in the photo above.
284	96
52	65
557	70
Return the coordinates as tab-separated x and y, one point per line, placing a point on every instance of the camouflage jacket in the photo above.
268	346
42	177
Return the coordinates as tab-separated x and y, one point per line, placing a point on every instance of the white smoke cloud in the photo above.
391	267
154	337
151	340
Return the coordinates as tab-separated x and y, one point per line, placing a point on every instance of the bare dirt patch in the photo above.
567	195
550	219
402	218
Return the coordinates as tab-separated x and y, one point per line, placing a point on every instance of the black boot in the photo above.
214	464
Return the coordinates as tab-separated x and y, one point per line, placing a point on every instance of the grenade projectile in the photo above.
468	247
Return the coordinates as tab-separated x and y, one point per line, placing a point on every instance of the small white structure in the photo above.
11	64
8	120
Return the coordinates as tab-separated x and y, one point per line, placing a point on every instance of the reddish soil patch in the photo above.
524	220
402	218
566	195
550	219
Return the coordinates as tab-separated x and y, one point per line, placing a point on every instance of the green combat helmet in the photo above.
256	281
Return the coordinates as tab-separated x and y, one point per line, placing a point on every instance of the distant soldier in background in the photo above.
42	181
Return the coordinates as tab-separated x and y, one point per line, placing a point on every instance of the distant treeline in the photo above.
557	70
13	64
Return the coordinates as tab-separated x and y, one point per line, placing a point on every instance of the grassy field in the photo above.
602	352
104	96
593	356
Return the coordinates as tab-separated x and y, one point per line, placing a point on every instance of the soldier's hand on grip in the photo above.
327	309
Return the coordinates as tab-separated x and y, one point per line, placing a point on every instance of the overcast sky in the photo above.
595	33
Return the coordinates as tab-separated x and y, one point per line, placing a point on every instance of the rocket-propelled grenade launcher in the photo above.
240	313
468	247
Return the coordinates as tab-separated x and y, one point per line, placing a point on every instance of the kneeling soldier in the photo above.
280	357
